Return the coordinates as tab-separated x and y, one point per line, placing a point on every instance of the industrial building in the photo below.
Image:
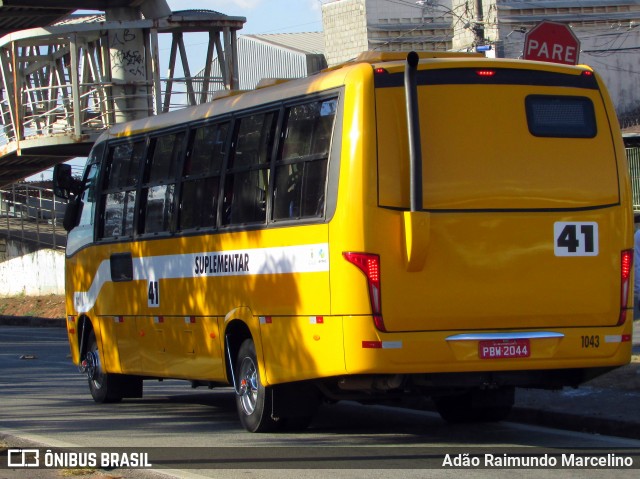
609	32
281	55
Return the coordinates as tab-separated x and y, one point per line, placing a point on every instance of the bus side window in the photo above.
119	193
301	169
201	177
88	200
159	190
247	175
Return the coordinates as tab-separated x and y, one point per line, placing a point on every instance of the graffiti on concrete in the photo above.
125	55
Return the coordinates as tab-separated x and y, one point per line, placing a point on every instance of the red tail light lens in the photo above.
369	264
486	73
626	266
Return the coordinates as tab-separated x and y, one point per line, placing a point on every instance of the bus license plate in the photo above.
504	349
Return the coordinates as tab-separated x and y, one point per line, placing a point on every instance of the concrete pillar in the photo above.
128	67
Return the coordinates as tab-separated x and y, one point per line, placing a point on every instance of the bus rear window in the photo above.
560	116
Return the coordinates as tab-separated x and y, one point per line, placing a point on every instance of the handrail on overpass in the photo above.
32	214
61	86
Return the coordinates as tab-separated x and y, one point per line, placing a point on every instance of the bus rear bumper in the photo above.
368	350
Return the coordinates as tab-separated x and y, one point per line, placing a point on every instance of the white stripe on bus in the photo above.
311	258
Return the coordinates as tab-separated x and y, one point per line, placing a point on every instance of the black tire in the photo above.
476	406
104	387
253	400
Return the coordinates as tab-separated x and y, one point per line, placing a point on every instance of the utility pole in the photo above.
478	27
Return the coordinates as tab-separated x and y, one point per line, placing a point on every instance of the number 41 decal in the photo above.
575	239
153	294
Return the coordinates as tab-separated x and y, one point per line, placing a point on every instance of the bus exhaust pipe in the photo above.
413	130
415	221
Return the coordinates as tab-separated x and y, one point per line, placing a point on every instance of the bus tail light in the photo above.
486	73
369	264
626	266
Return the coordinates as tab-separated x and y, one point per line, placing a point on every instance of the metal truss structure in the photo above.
61	86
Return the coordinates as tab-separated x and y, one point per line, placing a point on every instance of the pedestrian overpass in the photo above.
62	85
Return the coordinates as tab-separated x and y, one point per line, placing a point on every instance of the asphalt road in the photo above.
196	433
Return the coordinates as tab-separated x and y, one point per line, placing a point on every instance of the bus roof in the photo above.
274	90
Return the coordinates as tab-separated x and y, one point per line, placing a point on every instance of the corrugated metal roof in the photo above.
21	18
306	42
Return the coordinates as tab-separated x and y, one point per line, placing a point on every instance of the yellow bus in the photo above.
434	225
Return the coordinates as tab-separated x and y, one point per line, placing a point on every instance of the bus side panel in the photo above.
357	200
175	331
299	348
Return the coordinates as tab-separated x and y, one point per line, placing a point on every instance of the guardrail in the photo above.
32	214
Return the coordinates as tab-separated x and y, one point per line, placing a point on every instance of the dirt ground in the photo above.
36	306
626	377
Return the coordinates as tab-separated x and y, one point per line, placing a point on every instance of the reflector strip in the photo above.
158	319
118	319
316	320
382	344
71	319
189	319
265	319
617	338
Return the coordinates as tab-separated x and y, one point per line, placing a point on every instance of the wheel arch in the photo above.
240	324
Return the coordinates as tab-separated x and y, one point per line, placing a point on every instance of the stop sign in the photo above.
552	42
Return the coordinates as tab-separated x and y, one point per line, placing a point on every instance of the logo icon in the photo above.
23	458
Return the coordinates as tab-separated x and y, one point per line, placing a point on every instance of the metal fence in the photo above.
32	214
633	158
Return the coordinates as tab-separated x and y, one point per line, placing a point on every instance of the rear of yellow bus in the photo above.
514	270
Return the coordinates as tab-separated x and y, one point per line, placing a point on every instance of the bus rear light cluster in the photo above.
369	264
626	266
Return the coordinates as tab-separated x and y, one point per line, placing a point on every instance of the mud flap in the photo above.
294	400
128	386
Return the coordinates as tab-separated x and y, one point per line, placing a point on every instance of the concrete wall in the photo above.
10	249
345	30
31	274
354	26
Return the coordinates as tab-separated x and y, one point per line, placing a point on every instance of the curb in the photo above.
575	422
32	321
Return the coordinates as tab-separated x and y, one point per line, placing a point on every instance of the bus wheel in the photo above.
253	400
104	387
476	406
